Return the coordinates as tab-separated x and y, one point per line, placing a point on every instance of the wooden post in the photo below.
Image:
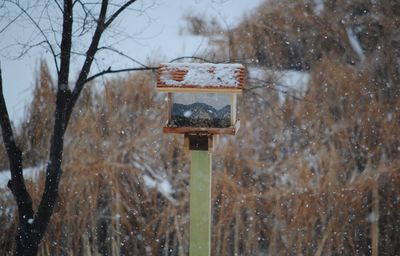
200	203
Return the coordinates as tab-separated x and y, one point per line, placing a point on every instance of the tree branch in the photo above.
53	170
17	183
190	57
90	53
41	32
118	12
11	22
110	71
122	54
83	28
102	24
66	45
144	68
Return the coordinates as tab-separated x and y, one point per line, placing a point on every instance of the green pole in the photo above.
200	204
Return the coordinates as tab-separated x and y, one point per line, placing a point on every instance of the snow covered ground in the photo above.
285	82
29	173
154	177
159	183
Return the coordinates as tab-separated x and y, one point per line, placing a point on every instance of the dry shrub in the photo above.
35	130
316	180
315	176
113	144
322	179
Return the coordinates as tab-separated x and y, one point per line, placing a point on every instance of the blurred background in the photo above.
314	169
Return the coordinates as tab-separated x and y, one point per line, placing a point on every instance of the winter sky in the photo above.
157	33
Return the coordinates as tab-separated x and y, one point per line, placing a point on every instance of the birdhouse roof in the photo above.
201	77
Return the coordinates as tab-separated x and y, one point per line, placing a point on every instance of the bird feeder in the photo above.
201	105
201	100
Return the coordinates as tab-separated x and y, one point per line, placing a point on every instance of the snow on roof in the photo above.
201	76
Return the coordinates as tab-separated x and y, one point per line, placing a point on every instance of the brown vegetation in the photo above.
317	175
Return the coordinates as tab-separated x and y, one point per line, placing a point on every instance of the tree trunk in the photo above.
26	245
32	225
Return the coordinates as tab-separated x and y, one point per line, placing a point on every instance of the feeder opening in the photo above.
201	110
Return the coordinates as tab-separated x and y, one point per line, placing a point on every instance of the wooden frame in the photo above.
203	130
169	107
200	142
233	109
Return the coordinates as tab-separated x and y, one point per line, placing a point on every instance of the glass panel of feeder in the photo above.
201	110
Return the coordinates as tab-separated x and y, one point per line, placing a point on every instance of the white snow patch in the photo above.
389	117
318	6
284	179
292	79
149	182
4	178
154	178
187	113
29	173
284	81
165	187
162	186
355	43
256	73
372	217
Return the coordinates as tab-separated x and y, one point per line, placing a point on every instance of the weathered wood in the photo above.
198	142
213	141
199	130
233	108
169	105
200	204
203	131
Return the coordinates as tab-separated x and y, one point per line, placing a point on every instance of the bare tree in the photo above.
78	19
